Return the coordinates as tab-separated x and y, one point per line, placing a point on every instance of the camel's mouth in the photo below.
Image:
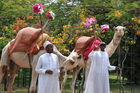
119	36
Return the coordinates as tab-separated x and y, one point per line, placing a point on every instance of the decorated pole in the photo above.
38	8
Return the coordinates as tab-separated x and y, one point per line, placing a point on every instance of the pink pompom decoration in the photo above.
37	8
105	27
50	15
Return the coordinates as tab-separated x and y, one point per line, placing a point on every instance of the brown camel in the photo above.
21	59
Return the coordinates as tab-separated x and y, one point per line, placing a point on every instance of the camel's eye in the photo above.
79	57
71	62
115	29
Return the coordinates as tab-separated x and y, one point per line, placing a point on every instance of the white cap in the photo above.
46	43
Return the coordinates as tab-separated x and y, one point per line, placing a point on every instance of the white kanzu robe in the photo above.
98	77
48	83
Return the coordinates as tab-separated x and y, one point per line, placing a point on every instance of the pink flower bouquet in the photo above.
105	27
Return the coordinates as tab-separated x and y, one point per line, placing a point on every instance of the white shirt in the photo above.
98	77
48	83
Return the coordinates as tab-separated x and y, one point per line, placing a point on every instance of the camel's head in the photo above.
119	31
71	61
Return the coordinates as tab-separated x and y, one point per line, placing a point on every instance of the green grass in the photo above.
114	86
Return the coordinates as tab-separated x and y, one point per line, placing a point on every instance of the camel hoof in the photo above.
32	92
9	91
32	89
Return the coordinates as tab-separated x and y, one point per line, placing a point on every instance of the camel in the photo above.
21	59
76	62
73	61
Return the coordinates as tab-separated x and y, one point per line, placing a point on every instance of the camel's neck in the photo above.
111	47
116	39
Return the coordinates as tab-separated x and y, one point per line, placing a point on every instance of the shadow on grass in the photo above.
114	86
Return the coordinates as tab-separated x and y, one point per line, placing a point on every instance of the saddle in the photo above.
29	40
85	45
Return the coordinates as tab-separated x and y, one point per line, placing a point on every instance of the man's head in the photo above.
48	47
102	46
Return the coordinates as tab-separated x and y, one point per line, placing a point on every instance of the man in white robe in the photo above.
48	69
98	77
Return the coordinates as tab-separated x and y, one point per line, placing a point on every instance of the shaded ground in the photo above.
114	85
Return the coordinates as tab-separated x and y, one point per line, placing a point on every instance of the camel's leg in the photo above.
33	81
4	62
64	81
75	73
34	75
3	72
86	73
5	56
13	70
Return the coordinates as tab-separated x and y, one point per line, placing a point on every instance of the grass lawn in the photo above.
114	86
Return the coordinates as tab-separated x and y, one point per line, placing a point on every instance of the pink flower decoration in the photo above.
105	27
90	22
50	15
37	8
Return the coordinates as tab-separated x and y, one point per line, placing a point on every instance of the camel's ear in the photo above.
114	28
124	28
